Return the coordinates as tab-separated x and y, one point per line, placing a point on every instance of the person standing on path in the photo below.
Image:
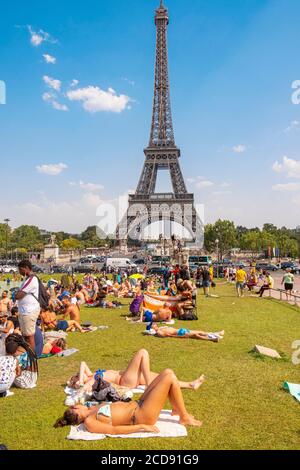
241	278
28	304
288	280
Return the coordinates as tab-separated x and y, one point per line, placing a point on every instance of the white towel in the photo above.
168	425
139	390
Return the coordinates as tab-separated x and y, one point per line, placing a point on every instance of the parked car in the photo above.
38	269
8	269
140	261
290	265
59	269
266	267
155	270
120	263
82	268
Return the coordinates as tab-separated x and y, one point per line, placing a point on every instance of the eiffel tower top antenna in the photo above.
162	133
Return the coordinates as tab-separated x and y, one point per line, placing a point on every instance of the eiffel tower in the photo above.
146	206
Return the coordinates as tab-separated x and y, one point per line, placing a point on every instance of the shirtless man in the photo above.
168	332
49	322
70	309
5	303
162	314
81	295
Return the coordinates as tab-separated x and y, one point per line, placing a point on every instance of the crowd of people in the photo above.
35	318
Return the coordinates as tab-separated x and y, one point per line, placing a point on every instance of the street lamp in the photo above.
6	239
218	256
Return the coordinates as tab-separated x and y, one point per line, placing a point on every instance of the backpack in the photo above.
44	297
189	316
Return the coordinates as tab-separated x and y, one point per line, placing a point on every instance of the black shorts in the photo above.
289	286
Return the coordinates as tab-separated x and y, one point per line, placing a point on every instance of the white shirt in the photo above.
29	303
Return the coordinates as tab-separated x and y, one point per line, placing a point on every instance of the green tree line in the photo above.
254	240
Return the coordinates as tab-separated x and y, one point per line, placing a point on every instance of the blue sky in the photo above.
232	65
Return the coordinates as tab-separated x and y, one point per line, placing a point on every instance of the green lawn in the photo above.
242	402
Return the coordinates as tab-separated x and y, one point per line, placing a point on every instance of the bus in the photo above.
200	260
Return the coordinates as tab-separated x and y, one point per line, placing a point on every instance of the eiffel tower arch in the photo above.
146	206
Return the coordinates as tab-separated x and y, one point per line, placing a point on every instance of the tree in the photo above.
71	244
28	237
225	232
270	228
93	237
251	241
3	229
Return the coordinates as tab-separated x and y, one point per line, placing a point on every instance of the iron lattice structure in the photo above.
146	206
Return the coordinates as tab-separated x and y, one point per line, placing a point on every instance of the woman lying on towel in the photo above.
137	373
133	417
54	346
169	332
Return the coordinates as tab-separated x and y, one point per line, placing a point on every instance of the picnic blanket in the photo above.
294	390
65	353
154	301
167	424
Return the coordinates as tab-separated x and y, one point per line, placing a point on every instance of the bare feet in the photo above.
197	383
220	333
190	421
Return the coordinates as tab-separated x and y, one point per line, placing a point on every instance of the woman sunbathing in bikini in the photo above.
132	417
169	332
137	373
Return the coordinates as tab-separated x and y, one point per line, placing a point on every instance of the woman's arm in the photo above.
94	426
10	326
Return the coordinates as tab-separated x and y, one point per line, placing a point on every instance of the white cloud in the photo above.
59	107
293	125
204	184
48	96
239	149
49	59
38	37
89	187
52	83
225	185
289	167
74	83
52	169
288	187
96	100
92	200
191	180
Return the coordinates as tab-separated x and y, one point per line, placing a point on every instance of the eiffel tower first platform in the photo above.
146	206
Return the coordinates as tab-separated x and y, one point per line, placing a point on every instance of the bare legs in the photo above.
201	335
164	387
138	367
138	373
74	325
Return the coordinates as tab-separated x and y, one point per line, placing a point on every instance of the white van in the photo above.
120	263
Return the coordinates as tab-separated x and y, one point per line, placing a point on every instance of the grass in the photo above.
242	403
